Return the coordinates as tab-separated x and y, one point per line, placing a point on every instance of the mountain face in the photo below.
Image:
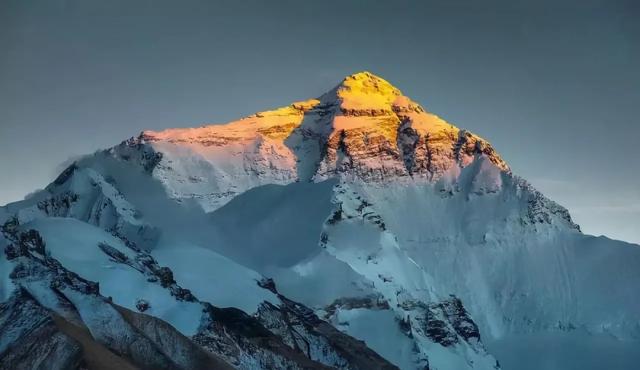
364	129
351	231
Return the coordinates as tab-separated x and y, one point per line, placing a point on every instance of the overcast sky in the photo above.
554	85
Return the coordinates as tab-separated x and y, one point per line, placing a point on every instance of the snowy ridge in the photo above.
143	286
86	195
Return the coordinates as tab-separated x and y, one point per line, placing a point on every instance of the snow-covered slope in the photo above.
49	258
282	239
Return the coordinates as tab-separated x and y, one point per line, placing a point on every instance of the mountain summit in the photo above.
351	231
363	128
364	91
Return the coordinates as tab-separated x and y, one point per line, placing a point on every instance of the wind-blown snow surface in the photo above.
212	277
75	245
394	226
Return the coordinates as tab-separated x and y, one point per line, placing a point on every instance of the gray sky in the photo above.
554	85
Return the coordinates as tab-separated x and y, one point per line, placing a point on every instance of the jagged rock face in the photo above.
443	316
31	340
247	344
304	331
380	135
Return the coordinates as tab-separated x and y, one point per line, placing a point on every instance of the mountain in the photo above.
352	231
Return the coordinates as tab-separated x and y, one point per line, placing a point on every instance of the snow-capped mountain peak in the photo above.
355	230
361	92
363	129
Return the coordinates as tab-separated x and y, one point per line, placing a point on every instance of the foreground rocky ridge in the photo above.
65	315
